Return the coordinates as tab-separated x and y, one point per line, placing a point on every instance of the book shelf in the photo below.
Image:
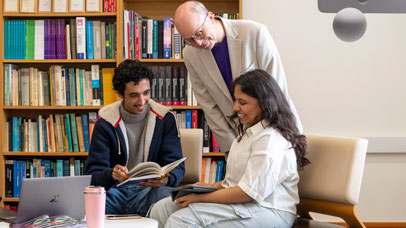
156	9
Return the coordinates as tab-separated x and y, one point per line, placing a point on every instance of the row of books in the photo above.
59	86
195	119
55	133
36	168
213	170
150	39
76	38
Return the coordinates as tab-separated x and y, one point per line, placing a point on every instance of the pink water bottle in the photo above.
95	204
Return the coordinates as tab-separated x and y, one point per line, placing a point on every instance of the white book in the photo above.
189	91
35	136
149	170
96	39
81	37
25	86
103	39
40	88
149	43
194	100
88	88
63	87
207	171
126	22
14	97
68	48
96	101
57	74
39	39
213	170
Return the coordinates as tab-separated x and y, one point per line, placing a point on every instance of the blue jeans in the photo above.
133	199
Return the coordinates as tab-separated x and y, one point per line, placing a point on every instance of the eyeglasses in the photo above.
197	36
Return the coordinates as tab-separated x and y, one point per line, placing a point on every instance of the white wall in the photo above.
348	89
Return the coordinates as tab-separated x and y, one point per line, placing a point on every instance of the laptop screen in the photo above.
52	196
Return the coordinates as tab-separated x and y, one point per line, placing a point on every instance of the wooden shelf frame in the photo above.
156	9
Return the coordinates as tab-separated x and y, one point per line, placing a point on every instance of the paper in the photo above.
60	6
92	6
28	6
76	5
44	5
10	5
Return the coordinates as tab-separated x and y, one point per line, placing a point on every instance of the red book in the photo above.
105	6
194	118
215	144
137	41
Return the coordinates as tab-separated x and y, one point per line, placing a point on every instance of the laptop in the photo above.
52	196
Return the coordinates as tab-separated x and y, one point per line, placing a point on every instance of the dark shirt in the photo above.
220	53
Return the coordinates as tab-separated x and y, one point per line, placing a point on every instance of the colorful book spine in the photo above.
188	118
75	142
95	85
81	37
85	127
155	39
69	132
167	38
89	39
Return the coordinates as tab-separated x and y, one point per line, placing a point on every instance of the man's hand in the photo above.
155	183
184	201
119	173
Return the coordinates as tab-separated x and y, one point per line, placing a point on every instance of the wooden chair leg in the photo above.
344	211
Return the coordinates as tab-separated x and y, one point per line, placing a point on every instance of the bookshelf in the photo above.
156	9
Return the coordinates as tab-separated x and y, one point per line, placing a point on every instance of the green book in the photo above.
74	131
68	132
72	85
81	86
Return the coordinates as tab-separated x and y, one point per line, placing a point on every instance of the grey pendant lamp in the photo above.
350	24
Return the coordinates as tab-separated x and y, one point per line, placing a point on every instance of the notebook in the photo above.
52	196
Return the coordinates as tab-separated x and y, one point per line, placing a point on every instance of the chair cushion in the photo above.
335	172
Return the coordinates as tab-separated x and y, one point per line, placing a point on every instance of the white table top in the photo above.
122	223
133	223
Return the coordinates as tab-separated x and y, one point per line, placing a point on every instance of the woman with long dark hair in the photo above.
260	186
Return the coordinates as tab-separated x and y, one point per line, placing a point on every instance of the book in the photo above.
81	37
190	188
149	170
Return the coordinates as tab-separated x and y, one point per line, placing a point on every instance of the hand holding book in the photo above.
149	170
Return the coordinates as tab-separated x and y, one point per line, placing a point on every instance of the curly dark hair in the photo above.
275	109
130	71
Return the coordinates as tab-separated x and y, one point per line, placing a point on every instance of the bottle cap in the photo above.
94	190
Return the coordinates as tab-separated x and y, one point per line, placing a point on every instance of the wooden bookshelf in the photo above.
155	9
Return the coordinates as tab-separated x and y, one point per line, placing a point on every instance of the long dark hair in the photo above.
275	110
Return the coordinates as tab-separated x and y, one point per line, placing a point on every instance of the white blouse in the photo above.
263	165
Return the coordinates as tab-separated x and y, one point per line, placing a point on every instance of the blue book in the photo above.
17	179
188	118
67	86
85	127
45	135
16	135
59	168
47	165
24	34
6	39
155	39
219	172
66	171
68	132
77	167
89	39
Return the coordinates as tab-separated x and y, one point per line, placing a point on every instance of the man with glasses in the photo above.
219	51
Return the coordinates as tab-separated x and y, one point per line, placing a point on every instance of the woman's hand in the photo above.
120	173
184	201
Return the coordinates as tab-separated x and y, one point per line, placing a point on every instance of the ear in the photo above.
120	95
211	16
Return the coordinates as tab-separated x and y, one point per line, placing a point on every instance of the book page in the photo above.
166	169
144	165
76	5
60	6
92	6
28	6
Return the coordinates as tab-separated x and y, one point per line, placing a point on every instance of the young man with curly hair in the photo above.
131	131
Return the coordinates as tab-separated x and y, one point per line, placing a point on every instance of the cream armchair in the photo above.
192	146
331	183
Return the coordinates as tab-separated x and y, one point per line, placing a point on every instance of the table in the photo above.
133	223
123	223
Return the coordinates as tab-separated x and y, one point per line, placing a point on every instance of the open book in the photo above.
190	188
149	170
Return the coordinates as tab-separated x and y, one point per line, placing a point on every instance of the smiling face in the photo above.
136	96
247	107
200	28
